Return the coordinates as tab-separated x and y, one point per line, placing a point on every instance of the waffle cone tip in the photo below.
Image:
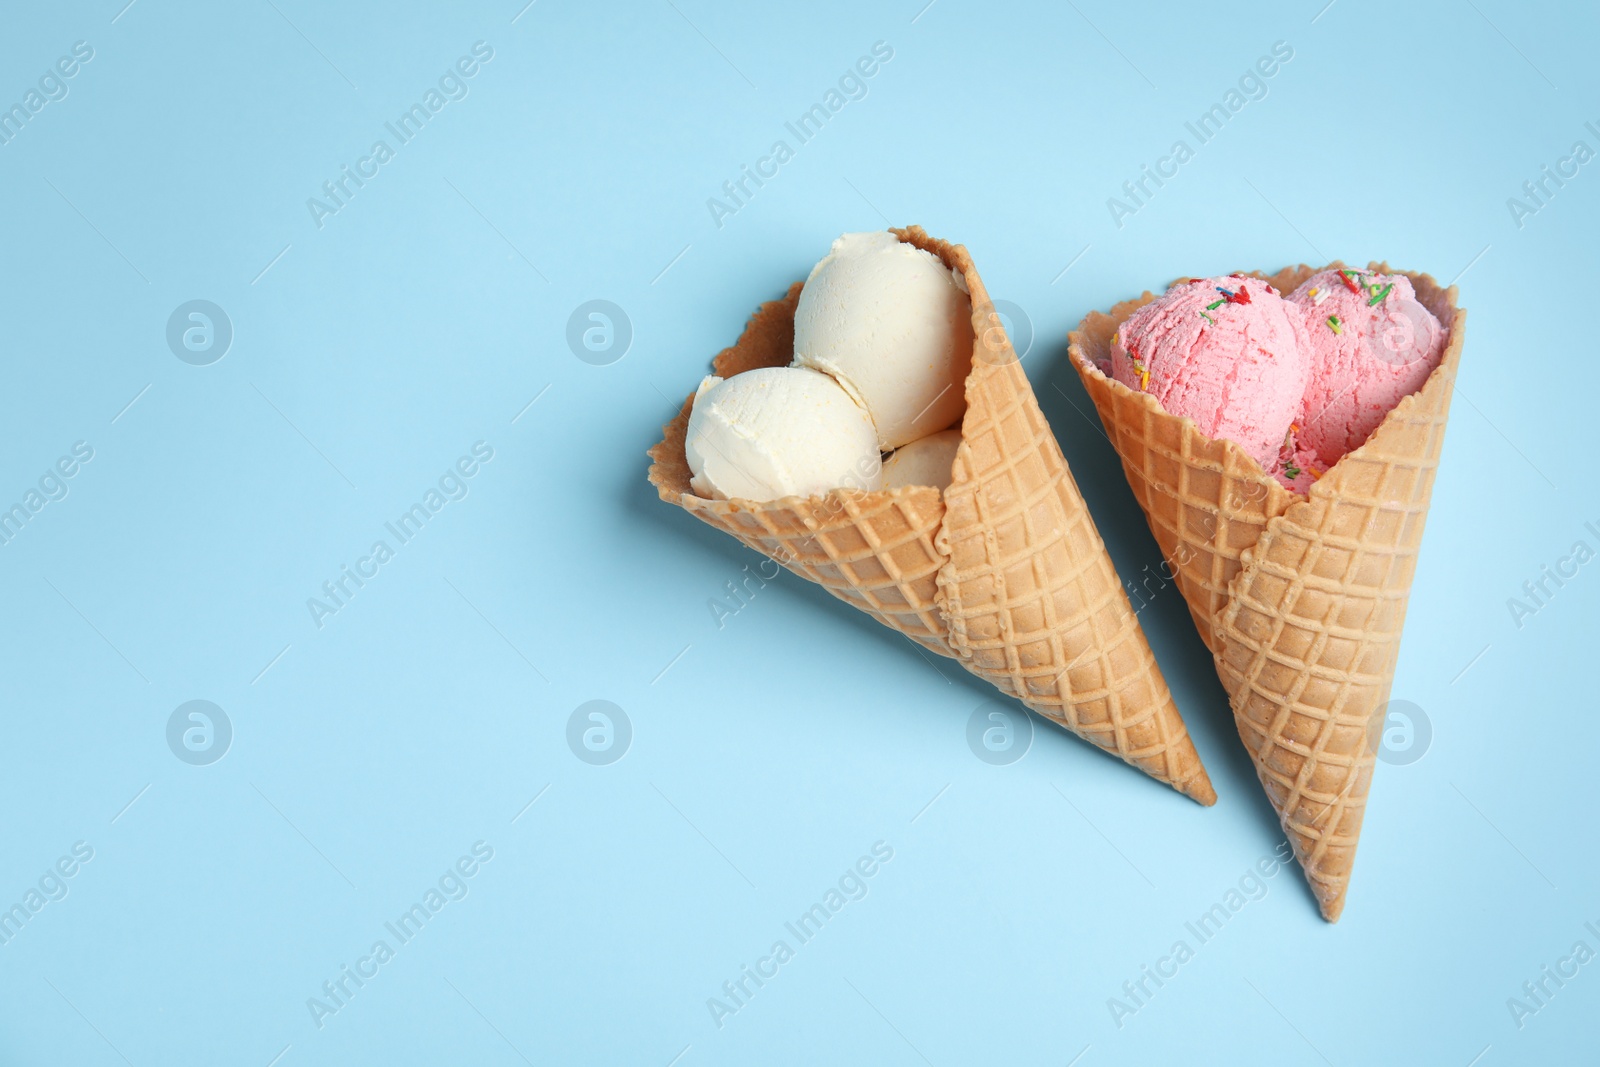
1199	790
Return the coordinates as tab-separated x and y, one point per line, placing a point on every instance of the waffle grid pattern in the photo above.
1032	599
1004	572
874	551
1306	632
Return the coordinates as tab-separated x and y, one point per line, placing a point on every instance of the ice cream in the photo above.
1371	343
1298	466
925	461
1296	382
893	326
776	432
1225	352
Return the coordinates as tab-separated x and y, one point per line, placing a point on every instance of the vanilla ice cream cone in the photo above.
1300	599
1003	571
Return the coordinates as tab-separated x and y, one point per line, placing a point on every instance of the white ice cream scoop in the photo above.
925	461
776	432
894	326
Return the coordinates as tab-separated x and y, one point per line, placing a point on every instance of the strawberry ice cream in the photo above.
1225	352
1371	343
1295	381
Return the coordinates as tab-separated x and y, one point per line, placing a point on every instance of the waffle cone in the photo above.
1300	599
1003	571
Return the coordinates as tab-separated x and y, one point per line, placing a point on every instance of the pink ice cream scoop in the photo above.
1371	343
1226	352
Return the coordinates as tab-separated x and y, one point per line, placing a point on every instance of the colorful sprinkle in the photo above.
1318	295
1349	284
1316	475
1139	368
1215	304
1208	318
1291	470
1380	295
1333	324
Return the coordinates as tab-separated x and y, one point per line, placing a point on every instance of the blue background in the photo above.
770	752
